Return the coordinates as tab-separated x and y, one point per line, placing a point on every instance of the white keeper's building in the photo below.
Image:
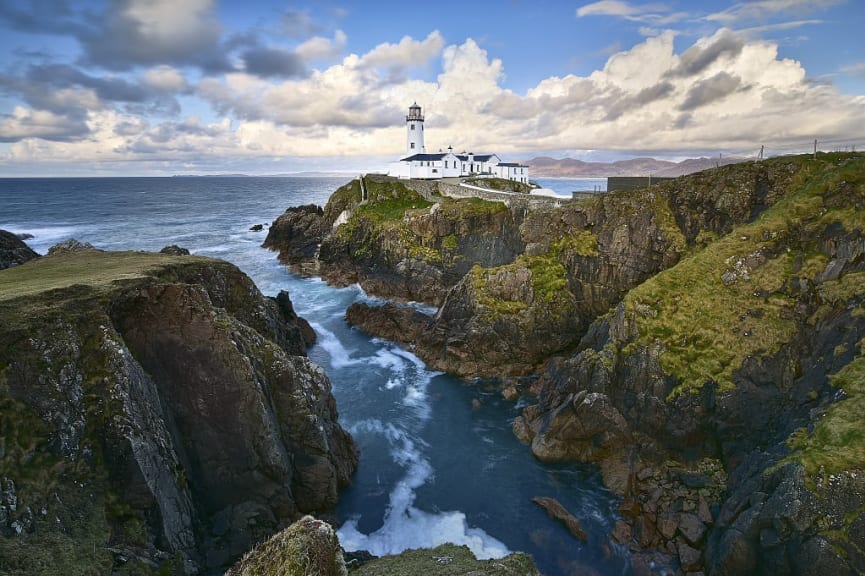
418	164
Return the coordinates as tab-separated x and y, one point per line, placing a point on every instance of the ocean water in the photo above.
438	460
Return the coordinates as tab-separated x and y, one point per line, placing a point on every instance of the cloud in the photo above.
319	48
27	123
726	91
761	10
298	24
134	33
408	52
724	43
31	16
710	90
273	63
166	79
855	69
659	14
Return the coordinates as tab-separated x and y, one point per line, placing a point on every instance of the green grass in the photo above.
707	328
94	269
837	442
462	208
581	242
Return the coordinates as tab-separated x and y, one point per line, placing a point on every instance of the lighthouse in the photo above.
414	131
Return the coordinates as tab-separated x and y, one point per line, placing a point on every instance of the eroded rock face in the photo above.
184	403
14	251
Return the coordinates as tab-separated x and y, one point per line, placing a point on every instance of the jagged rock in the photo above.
256	228
692	529
555	510
175	250
13	250
71	245
184	395
297	233
309	547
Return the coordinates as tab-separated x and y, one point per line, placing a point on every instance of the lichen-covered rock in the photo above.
156	410
14	251
71	245
309	547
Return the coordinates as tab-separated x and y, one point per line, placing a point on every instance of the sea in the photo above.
438	460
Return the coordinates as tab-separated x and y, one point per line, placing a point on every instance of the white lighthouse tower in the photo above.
414	131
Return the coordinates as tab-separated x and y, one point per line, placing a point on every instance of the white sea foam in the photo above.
340	356
406	526
44	237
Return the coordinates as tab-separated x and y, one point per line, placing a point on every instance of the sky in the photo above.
163	87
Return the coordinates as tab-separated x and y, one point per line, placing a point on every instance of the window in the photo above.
412	126
412	144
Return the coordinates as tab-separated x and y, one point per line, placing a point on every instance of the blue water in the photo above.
438	460
567	185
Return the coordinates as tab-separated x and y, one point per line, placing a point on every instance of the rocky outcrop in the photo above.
14	251
749	353
555	510
398	242
309	547
157	411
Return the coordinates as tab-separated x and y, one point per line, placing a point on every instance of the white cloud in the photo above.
320	48
659	14
408	52
760	10
28	123
724	92
166	79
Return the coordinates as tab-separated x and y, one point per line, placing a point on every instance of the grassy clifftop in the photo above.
735	298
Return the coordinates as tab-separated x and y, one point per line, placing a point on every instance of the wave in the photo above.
44	237
405	526
340	356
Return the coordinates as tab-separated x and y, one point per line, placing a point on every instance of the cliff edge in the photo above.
157	411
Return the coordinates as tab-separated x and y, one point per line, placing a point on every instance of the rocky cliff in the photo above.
156	411
747	354
398	242
702	341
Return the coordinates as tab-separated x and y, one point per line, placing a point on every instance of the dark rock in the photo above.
667	526
177	395
692	529
622	532
689	557
555	510
174	250
297	233
13	250
256	228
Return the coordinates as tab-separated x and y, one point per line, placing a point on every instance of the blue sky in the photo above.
199	86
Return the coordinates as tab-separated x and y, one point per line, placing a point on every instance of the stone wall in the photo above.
632	182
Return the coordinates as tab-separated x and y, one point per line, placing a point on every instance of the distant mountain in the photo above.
545	166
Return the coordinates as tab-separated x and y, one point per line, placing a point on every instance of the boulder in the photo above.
309	547
555	510
13	250
174	250
71	245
